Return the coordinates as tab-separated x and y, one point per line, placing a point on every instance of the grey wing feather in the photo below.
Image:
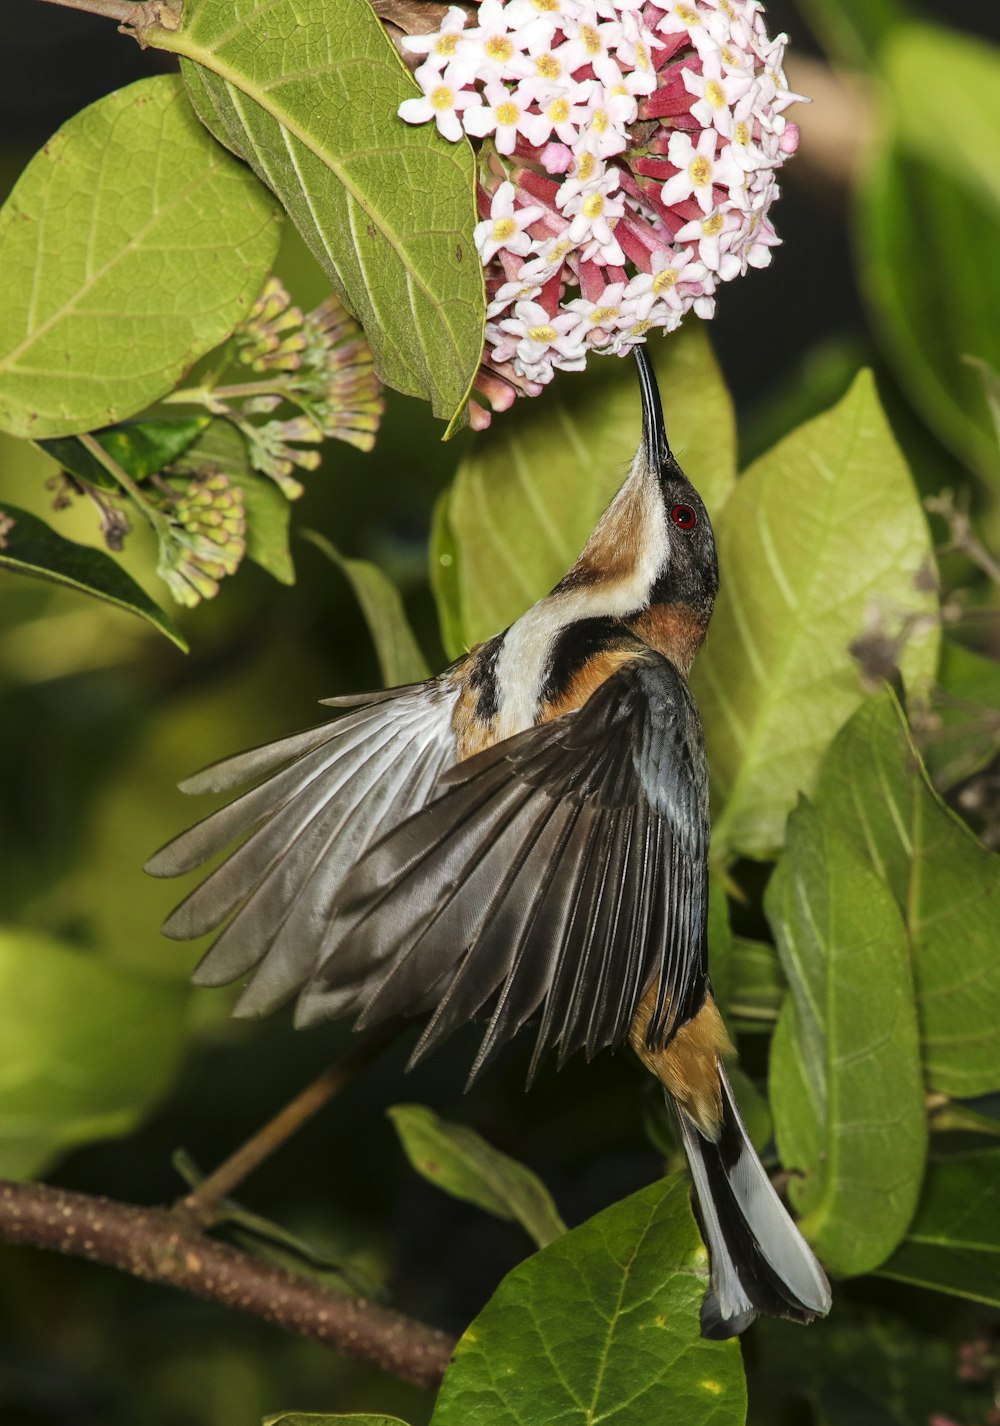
563	869
332	791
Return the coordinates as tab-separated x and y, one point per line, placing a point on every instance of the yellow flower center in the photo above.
593	206
727	56
689	16
503	228
546	6
559	251
640	328
600	120
585	166
442	98
600	315
499	47
641	57
700	170
663	280
727	9
542	334
714	94
591	39
507	113
558	111
712	226
548	66
446	44
742	133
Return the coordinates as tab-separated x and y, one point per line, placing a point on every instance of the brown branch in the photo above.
133	18
201	1203
157	1245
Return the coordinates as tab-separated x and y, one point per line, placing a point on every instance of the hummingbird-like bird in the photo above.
525	836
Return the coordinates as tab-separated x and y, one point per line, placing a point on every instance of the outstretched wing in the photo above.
562	871
327	795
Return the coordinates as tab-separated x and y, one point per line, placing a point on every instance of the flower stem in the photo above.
206	395
92	444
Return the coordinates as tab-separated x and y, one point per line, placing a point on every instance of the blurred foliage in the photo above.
859	936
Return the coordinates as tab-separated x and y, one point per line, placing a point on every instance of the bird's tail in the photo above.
759	1260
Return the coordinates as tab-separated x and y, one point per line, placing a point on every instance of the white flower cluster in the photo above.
629	165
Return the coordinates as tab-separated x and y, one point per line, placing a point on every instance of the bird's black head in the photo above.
690	573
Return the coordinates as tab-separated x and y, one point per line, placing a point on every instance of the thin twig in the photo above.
201	1204
964	539
157	1245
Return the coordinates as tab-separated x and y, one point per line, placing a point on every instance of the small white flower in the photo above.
748	154
716	91
605	128
510	293
554	14
441	102
591	211
494	47
598	319
631	83
676	279
548	259
561	115
541	338
714	237
441	45
699	170
506	113
587	173
505	226
587	41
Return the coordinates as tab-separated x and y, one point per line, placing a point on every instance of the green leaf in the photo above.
868	1368
88	1048
821	531
944	882
460	1162
945	93
131	245
309	1418
29	546
601	1325
398	652
141	448
913	213
930	201
533	487
853	31
443	557
846	1089
271	1241
268	514
720	944
962	735
757	985
953	1244
307	93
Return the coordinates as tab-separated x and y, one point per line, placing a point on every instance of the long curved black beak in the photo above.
654	435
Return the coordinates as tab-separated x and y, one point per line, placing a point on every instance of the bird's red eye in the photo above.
684	517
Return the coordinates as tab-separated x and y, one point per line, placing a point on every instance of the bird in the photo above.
523	838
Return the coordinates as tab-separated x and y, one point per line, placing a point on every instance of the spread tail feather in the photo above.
759	1260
